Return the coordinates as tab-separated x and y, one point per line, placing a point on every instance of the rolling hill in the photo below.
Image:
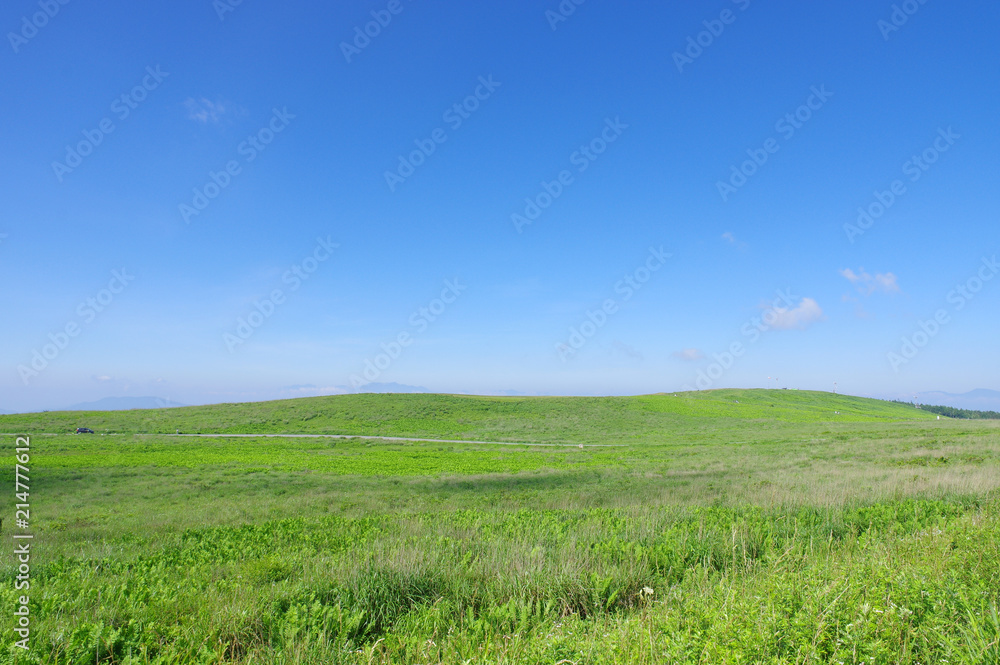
572	419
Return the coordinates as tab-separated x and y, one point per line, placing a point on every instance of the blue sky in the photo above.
610	117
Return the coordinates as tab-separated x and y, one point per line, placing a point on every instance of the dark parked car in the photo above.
84	430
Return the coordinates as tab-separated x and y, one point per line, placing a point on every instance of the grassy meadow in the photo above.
717	527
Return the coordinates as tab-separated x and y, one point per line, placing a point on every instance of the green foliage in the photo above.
952	412
715	533
827	582
519	419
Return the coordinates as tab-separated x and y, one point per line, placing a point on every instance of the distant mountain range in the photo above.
976	400
123	404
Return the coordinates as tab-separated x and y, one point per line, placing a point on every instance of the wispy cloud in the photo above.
730	238
312	390
689	354
627	350
861	313
800	317
867	284
205	110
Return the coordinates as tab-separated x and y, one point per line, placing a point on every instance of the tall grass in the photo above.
760	541
911	581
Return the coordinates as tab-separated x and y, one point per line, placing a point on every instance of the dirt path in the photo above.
400	438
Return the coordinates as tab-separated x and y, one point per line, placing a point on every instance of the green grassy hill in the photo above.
735	526
526	419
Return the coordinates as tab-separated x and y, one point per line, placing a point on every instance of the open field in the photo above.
716	533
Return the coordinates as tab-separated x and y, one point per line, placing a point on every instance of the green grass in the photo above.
551	419
718	533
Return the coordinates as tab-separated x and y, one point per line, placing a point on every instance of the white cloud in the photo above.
887	283
868	284
732	240
204	110
807	312
689	354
